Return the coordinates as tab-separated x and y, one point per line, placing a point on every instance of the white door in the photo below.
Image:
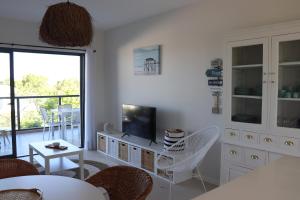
246	86
285	85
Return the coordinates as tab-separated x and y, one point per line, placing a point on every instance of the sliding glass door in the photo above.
7	123
35	88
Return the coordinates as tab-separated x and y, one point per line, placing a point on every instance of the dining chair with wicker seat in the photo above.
15	167
123	182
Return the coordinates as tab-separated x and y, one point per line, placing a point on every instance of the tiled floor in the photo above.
23	140
183	191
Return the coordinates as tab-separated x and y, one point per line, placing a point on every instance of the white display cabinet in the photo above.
262	88
139	154
248	64
285	112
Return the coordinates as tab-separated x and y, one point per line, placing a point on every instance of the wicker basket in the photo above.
21	194
172	136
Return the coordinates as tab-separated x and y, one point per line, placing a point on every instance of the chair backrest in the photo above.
65	106
44	115
76	118
189	151
15	167
65	112
123	182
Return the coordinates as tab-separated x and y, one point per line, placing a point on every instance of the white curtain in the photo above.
90	88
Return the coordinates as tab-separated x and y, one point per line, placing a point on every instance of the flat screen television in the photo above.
139	121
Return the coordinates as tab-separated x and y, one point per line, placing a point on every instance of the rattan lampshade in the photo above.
66	24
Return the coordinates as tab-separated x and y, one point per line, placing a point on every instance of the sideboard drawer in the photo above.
123	151
232	135
255	158
148	160
274	156
232	153
135	155
102	143
289	144
249	137
113	147
269	141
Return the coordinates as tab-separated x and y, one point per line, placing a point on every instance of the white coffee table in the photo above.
55	160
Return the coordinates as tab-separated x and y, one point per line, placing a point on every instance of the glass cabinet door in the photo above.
286	82
248	82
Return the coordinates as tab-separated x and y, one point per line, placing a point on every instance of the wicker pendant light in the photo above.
66	24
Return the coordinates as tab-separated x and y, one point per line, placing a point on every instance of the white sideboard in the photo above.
262	98
137	152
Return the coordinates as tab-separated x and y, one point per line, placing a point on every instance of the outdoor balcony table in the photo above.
62	113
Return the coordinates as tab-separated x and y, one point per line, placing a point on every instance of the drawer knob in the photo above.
268	140
233	152
232	134
249	137
289	143
254	157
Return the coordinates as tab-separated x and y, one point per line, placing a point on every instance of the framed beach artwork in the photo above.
147	60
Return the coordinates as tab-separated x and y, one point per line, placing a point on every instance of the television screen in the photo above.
139	121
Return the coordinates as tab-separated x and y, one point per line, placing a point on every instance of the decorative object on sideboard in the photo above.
171	137
66	24
108	127
147	60
215	82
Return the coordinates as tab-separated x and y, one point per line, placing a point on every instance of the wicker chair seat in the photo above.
123	183
15	167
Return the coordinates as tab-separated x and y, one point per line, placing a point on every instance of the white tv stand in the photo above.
136	151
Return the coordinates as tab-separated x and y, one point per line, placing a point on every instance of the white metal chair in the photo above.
188	153
5	135
65	117
48	122
75	122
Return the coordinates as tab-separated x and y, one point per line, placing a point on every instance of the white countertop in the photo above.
276	181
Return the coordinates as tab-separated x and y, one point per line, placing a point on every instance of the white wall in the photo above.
20	32
190	37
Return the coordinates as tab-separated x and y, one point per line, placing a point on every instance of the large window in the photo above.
42	80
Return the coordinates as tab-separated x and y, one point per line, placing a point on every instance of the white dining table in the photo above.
55	187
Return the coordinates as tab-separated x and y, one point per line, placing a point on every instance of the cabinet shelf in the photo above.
289	63
247	66
247	96
289	99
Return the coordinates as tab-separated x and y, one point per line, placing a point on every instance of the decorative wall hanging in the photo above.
147	60
215	82
66	24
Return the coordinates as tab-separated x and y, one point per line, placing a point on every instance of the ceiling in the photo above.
106	14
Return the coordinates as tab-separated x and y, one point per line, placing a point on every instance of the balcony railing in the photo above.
32	106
